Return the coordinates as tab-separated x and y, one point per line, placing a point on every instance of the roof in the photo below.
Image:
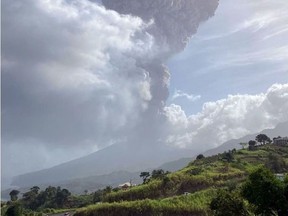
126	184
282	138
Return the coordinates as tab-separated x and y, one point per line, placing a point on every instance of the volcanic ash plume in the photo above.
173	24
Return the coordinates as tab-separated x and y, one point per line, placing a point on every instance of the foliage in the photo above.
145	176
192	205
200	156
263	139
265	191
14	210
228	156
163	192
226	203
252	144
97	196
158	174
107	190
51	197
14	195
276	163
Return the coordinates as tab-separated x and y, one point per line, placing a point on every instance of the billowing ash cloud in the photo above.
81	75
173	23
229	118
70	72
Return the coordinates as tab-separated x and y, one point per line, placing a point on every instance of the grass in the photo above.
193	204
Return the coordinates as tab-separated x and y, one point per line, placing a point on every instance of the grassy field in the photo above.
191	204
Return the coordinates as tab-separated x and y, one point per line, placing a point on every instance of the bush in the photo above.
226	203
267	193
14	210
200	156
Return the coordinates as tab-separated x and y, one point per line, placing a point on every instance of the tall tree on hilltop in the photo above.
263	139
252	144
144	176
14	195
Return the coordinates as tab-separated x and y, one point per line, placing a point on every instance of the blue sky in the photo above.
243	49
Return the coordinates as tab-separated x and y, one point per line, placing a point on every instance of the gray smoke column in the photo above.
174	22
171	24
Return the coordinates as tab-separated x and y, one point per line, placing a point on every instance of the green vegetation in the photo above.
266	192
227	203
213	185
35	202
192	204
232	183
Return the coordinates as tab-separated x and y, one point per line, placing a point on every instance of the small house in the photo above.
281	141
125	186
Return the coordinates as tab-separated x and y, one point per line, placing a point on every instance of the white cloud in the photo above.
229	118
181	94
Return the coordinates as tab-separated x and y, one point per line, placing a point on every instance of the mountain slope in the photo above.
119	157
112	159
280	130
200	178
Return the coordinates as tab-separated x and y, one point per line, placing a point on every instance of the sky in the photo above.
242	50
73	79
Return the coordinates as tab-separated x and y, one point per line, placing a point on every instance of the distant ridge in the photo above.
100	168
280	130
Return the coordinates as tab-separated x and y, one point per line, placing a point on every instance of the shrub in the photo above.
226	203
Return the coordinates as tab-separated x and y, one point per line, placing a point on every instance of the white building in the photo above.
281	141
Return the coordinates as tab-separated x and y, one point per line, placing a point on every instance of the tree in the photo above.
97	196
228	156
265	191
200	156
62	196
107	190
252	144
29	199
276	163
263	139
158	174
35	189
145	176
14	210
226	203
14	195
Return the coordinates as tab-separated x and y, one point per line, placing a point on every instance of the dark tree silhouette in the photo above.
35	189
252	144
263	139
158	174
144	176
14	195
200	156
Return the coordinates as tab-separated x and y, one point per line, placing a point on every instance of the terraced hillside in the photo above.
190	190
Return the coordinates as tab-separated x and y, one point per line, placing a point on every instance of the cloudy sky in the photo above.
73	80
